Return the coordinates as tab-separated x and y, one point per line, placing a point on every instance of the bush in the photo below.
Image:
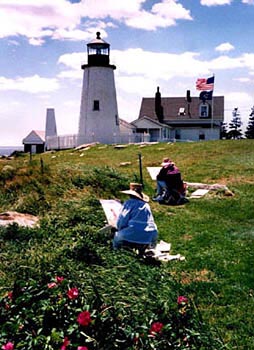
63	314
104	181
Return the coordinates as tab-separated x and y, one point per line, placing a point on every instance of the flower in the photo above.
84	318
82	348
156	328
182	300
66	342
10	295
72	293
8	346
52	285
59	279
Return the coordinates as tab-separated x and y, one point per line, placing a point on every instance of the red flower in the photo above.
8	346
182	300
59	279
52	285
72	293
82	348
10	295
156	328
66	342
84	318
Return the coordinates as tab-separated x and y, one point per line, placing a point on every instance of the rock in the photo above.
10	217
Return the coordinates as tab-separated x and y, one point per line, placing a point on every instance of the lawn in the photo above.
122	301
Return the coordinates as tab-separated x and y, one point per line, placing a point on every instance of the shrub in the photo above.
104	181
63	314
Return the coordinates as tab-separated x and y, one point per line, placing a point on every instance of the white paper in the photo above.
111	209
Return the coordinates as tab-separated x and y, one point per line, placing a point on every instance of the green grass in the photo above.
215	234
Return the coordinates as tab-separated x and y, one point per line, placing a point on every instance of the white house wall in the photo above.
194	133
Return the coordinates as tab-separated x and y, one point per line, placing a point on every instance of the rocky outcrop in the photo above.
10	217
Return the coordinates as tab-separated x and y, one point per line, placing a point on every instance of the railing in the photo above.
72	141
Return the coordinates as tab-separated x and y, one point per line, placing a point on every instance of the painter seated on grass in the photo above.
135	224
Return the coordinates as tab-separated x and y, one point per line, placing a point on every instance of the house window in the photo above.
181	111
204	110
177	134
201	135
96	105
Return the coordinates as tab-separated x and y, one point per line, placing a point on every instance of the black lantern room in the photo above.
98	53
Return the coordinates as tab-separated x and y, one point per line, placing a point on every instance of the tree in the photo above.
235	124
223	131
249	133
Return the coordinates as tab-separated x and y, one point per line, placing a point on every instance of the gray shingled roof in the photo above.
171	106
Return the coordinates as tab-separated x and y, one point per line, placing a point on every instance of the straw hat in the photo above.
136	191
166	161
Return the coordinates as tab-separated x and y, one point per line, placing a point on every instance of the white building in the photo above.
99	120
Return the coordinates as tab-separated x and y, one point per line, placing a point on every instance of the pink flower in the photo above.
72	293
84	318
8	346
82	348
156	328
59	279
52	285
181	300
66	342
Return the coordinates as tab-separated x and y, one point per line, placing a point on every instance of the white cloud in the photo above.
241	100
72	60
136	85
248	2
171	9
34	84
225	62
225	47
138	62
215	2
61	19
36	41
243	80
36	19
163	14
248	59
109	8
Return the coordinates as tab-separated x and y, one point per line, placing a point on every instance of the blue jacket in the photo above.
136	223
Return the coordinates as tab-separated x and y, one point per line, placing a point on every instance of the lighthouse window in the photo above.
96	105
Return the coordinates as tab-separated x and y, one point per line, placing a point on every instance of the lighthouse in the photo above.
99	120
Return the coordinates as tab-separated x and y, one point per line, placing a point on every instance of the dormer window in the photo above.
204	110
181	111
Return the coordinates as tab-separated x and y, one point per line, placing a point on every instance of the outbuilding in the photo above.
34	142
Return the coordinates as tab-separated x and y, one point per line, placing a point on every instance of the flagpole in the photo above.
212	107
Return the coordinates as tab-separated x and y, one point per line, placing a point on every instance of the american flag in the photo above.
203	84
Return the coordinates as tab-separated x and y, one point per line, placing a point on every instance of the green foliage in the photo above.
104	180
125	295
249	133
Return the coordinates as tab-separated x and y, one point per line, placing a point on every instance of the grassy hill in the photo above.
124	296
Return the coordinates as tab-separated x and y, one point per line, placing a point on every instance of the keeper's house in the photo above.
180	118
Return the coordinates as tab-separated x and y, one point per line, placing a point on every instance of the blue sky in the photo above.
166	43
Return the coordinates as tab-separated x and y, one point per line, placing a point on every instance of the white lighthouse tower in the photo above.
99	120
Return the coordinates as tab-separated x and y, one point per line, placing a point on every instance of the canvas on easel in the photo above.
111	209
